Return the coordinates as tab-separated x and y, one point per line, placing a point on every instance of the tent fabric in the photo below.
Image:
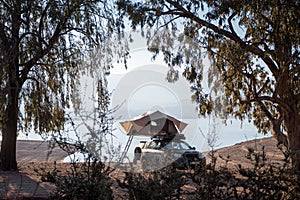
153	123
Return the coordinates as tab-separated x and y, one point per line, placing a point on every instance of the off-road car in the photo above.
161	152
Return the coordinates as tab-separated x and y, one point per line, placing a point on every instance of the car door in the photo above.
152	155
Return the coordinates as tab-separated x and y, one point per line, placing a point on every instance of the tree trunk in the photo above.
9	132
10	121
278	134
293	126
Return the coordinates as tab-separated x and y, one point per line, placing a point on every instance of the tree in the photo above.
254	49
42	44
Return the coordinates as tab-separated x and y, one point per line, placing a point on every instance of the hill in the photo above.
36	156
237	154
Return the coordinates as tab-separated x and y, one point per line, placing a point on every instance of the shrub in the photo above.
161	184
261	181
88	180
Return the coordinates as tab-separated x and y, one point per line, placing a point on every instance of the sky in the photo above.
143	87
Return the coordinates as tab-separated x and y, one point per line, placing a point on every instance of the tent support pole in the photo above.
126	149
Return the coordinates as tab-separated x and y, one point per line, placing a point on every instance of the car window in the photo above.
150	145
179	145
154	145
184	145
176	145
168	146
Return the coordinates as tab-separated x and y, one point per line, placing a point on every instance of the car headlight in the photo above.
201	155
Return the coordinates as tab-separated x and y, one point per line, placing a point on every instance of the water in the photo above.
198	133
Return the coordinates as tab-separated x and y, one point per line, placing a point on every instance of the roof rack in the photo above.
168	137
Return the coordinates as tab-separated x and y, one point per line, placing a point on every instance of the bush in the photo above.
79	180
88	180
261	181
162	184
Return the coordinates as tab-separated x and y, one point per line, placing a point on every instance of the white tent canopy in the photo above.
153	123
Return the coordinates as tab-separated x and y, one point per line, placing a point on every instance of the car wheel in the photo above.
137	154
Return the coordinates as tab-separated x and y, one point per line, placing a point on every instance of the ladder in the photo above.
126	149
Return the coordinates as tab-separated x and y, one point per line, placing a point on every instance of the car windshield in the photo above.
179	145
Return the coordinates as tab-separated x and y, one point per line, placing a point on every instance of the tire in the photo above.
137	154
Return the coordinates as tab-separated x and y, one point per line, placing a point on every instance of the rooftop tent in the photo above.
153	123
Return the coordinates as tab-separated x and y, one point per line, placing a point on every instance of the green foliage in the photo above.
253	47
89	178
43	46
254	52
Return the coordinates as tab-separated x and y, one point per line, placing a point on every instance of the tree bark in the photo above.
277	133
293	126
9	133
11	111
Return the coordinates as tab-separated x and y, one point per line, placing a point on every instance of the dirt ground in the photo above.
34	156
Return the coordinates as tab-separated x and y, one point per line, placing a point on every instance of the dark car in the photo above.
159	153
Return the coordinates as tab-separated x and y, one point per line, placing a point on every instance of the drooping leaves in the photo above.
43	48
253	47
